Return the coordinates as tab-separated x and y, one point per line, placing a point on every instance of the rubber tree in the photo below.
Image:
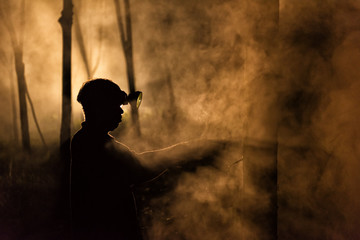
90	66
126	40
66	24
65	131
17	46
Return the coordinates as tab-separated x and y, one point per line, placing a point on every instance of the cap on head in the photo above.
97	92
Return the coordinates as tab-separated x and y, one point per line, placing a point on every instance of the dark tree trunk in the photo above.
130	65
20	72
14	110
80	40
126	40
17	45
66	23
65	131
90	66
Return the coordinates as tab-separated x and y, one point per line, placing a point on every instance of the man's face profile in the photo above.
112	115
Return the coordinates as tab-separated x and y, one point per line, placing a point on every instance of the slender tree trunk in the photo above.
66	23
20	72
126	40
65	131
80	40
90	67
14	110
15	120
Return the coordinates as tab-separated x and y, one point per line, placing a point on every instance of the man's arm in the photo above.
196	152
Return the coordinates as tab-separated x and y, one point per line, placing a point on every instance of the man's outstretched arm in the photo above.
196	152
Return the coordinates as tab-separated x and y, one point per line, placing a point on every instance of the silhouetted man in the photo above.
103	170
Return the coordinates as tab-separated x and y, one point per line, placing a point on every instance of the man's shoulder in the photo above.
86	140
79	137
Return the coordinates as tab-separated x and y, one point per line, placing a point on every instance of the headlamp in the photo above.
134	98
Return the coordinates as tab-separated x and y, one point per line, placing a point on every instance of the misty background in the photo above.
278	79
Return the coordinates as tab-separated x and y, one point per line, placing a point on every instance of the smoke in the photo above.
279	78
313	174
285	85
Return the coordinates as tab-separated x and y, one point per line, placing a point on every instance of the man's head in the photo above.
101	100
